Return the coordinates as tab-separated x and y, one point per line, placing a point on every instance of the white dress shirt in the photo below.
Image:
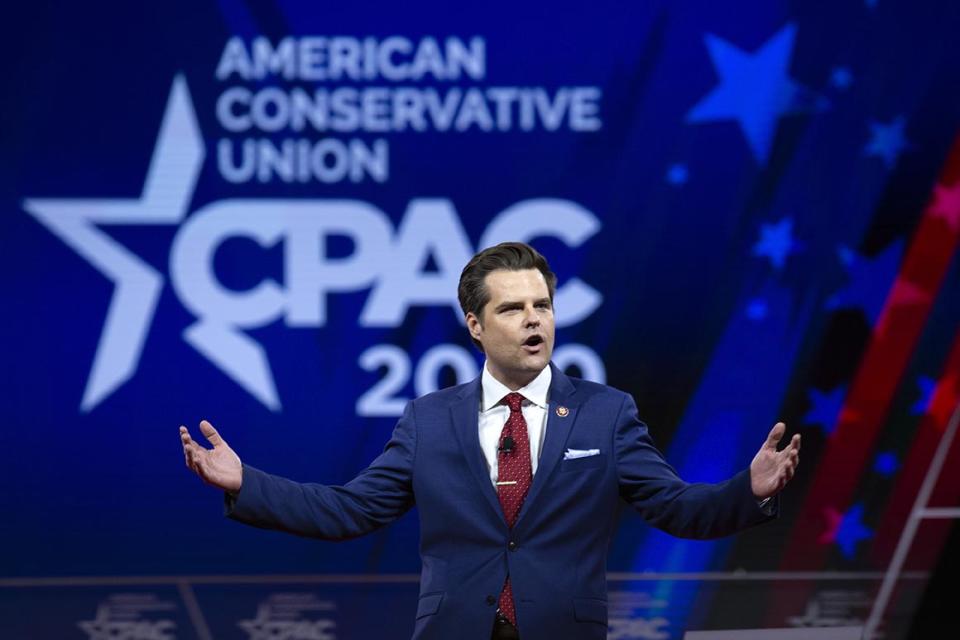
493	415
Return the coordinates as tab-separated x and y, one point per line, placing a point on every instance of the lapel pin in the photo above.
562	411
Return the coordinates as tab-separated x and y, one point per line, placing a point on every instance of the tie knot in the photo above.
513	400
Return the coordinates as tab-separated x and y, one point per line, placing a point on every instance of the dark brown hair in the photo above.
510	256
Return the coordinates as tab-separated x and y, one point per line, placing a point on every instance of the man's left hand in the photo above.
771	470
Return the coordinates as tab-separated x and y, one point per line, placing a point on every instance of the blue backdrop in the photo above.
256	213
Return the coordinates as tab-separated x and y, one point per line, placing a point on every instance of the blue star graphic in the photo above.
887	141
927	385
886	464
846	255
757	309
841	78
775	242
869	281
678	174
852	531
755	89
826	409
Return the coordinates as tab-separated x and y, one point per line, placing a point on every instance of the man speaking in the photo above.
517	476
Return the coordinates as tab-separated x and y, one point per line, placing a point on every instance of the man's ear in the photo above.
473	325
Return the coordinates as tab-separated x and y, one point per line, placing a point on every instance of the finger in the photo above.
191	458
795	442
775	436
211	434
199	468
197	453
194	447
185	437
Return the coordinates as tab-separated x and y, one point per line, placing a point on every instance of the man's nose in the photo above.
532	317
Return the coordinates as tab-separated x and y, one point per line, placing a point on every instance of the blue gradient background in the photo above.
106	493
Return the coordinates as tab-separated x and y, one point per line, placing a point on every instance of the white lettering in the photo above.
575	300
312	55
428	60
383	109
244	170
551	111
234	60
327	160
474	111
268	60
430	228
584	106
344	59
317	58
388	68
504	97
472	60
226	113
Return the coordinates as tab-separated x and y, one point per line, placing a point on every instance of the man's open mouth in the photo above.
533	342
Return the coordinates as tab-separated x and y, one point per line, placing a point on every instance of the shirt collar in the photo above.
494	390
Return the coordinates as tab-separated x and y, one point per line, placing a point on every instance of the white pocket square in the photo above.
573	454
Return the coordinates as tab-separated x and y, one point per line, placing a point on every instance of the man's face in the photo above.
516	325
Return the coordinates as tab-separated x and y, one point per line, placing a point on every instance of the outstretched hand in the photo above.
219	466
771	470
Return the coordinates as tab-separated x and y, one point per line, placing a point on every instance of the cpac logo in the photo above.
387	261
638	628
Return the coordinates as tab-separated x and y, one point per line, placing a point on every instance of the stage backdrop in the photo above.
257	212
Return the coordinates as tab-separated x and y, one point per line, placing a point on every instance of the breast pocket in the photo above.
582	464
429	604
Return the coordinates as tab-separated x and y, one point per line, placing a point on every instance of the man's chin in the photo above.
536	361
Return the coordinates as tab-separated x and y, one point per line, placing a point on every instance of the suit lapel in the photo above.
559	424
465	413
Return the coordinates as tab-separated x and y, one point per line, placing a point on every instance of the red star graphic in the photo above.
904	294
833	518
946	204
941	411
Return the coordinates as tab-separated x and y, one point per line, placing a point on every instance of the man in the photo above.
517	476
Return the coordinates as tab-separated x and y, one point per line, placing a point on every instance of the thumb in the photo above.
776	434
211	434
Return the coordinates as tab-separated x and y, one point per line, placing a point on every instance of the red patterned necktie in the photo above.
513	481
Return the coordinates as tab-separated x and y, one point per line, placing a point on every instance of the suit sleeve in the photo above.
380	494
686	510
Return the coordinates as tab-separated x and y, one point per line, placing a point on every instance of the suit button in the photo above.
512	546
491	600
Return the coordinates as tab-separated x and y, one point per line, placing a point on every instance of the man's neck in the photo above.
494	389
517	380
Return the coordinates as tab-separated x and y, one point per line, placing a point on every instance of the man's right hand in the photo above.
220	466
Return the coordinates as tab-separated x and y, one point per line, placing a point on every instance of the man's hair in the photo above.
510	256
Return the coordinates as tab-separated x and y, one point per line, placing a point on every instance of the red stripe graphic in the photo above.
892	344
927	546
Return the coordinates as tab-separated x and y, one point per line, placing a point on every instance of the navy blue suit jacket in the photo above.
556	554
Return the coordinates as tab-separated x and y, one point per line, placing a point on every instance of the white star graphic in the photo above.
167	190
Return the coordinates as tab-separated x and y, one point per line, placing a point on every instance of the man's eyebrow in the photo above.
517	303
507	304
